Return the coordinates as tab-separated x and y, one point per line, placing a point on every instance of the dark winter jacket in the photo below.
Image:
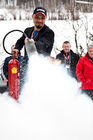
73	61
43	41
84	72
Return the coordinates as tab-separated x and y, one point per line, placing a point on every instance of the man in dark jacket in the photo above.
68	58
40	35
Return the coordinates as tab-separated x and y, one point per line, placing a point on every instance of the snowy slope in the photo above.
51	106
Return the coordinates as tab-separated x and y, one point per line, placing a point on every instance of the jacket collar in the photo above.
68	52
88	58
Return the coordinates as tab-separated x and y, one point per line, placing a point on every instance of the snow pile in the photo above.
50	107
5	14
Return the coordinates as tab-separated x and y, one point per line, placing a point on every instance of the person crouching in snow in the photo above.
84	71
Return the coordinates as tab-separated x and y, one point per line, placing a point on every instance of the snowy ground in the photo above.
51	106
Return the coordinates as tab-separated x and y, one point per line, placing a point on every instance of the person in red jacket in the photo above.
84	71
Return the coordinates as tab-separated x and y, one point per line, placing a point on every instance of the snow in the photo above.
51	106
83	2
5	14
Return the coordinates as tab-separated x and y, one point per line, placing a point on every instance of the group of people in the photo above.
42	38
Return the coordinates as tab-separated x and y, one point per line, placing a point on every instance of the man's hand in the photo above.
5	80
32	40
27	39
14	51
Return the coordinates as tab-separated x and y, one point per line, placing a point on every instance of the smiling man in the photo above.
68	58
40	35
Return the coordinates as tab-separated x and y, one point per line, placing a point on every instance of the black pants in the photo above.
88	92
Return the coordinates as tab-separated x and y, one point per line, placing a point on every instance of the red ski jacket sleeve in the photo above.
80	69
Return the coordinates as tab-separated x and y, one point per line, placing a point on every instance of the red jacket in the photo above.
84	72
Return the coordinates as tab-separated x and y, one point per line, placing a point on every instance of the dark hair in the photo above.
65	42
